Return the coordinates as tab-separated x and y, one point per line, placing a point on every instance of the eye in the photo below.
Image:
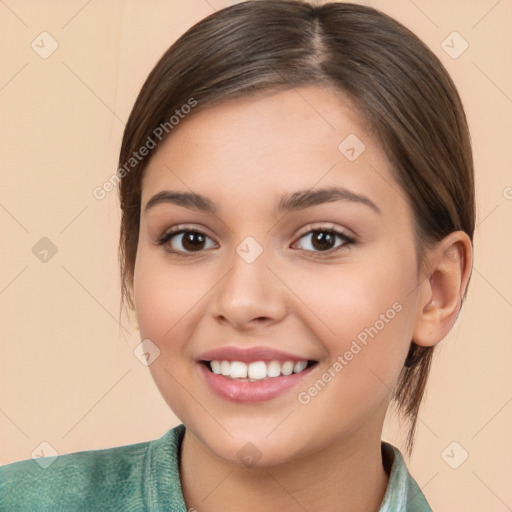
323	239
320	239
191	240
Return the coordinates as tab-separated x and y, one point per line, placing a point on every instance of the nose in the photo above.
250	294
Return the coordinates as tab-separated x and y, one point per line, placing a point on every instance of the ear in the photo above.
442	288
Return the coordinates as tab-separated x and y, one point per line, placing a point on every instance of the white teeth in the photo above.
287	368
257	370
238	370
301	365
274	369
225	367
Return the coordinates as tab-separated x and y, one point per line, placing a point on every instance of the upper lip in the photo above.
249	354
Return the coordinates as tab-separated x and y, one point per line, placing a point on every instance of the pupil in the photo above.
322	240
188	241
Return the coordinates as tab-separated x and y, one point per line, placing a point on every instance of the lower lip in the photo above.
257	391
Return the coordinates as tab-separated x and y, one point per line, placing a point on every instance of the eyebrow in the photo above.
295	201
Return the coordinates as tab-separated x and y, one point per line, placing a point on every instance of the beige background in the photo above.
68	374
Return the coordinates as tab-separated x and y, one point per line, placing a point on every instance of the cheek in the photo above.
164	303
370	318
164	296
366	308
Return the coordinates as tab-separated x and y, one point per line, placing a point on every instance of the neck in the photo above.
348	476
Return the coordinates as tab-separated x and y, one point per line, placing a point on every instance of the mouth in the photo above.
257	371
254	373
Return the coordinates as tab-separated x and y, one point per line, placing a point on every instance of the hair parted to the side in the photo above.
401	89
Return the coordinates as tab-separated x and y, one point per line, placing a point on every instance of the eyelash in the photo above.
348	241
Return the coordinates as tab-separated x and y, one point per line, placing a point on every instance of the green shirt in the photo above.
142	477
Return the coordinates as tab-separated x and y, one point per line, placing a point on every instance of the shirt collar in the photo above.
402	493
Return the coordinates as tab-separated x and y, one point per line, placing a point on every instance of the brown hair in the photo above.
401	89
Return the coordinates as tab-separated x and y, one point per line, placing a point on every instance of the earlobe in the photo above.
442	290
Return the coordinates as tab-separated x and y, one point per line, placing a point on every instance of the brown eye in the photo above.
185	241
193	241
324	240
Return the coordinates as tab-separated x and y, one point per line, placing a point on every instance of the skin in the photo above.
243	154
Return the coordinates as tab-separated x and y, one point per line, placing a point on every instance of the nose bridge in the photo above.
249	290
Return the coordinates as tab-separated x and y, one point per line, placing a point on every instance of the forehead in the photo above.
271	142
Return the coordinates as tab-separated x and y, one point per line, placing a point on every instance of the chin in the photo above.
250	445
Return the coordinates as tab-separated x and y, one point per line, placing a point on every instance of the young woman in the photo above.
297	196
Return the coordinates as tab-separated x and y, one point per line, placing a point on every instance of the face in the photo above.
267	268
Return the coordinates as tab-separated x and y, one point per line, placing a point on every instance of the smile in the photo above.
255	381
256	370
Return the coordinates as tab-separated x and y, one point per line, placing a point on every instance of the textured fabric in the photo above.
403	493
143	477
